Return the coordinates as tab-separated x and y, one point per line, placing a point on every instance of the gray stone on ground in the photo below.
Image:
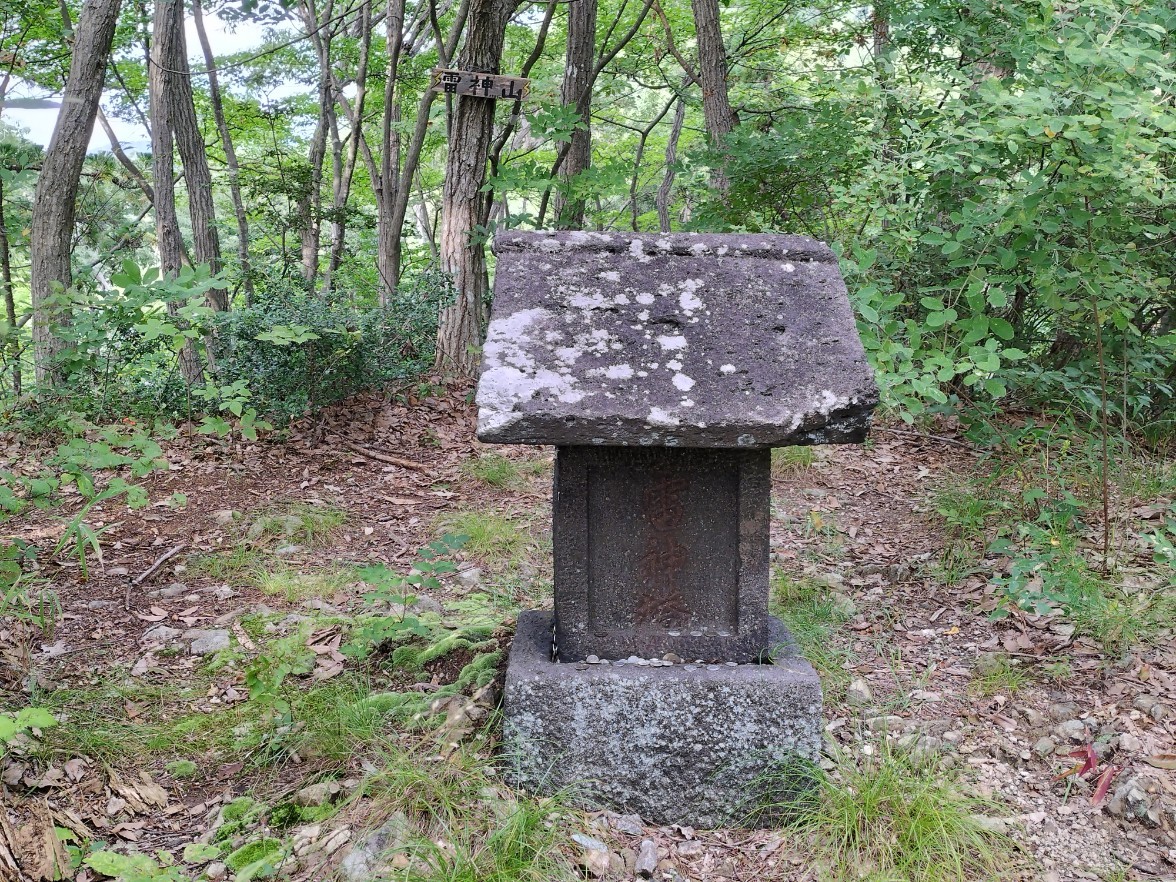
162	634
206	642
859	694
680	339
646	859
673	745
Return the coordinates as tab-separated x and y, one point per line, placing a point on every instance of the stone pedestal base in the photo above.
698	745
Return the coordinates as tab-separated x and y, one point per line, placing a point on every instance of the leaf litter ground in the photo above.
168	739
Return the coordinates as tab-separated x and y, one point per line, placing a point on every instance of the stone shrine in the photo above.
664	369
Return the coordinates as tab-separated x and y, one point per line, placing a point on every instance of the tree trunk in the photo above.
310	207
720	117
665	191
9	299
388	231
460	328
218	112
168	239
57	186
416	143
576	90
197	177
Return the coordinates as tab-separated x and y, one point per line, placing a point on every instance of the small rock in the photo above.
225	516
1045	746
175	589
628	824
991	663
646	864
162	634
99	604
672	658
926	695
1035	718
1144	703
216	870
859	693
207	642
885	724
1159	711
317	794
1132	801
223	592
691	848
596	862
364	860
997	826
1130	743
1063	710
593	660
470	578
590	843
1073	730
424	603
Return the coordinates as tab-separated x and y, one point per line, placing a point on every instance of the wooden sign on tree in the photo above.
480	85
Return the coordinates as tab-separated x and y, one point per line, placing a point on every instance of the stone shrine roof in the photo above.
692	340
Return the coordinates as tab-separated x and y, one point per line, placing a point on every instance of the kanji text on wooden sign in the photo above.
482	85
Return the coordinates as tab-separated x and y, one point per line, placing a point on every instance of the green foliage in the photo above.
134	867
297	353
22	721
495	538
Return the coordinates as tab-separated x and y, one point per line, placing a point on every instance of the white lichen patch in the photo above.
671	342
674	365
789	268
511	377
637	249
588	300
621	300
683	382
727	369
645	298
610	276
619	372
643	315
659	417
689	299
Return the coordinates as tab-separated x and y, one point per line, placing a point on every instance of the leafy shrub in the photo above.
298	353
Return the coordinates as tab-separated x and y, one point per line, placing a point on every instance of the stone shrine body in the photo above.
664	369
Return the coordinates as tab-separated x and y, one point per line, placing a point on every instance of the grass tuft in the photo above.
792	460
492	469
886	817
813	613
997	672
495	538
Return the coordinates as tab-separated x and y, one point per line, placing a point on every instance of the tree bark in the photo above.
388	231
310	206
720	117
168	239
57	186
9	299
665	191
189	140
218	112
462	257
576	91
412	155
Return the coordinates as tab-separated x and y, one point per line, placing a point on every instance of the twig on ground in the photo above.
919	436
151	571
384	457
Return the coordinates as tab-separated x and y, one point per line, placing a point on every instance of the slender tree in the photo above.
54	203
576	91
720	117
234	171
462	256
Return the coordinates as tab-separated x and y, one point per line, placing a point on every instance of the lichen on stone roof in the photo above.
680	339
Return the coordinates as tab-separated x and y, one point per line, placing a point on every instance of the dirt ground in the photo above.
856	520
